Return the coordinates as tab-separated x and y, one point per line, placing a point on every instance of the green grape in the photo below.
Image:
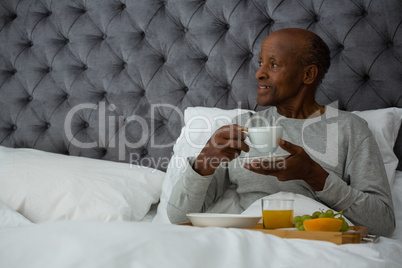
298	224
323	215
316	214
345	225
301	228
306	217
329	212
296	219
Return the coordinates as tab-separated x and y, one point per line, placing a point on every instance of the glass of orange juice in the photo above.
277	213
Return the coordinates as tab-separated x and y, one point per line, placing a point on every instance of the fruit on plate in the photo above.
323	225
323	222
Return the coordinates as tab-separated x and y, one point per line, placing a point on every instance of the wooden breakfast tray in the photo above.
355	234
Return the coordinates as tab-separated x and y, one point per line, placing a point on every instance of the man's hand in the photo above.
298	165
225	145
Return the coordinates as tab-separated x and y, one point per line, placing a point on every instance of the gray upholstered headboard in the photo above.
109	79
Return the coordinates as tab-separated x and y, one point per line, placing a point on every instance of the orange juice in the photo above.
274	219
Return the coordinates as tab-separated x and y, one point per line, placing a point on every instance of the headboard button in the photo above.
144	152
103	151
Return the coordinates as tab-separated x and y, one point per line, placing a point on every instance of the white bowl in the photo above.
223	220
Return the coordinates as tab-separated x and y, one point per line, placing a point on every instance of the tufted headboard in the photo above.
110	79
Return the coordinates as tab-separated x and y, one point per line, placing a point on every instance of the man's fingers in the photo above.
288	146
245	147
272	168
234	144
252	167
232	132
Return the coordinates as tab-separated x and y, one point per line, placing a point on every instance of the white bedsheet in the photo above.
10	217
128	244
139	244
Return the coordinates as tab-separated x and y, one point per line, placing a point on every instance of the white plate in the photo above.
223	220
270	158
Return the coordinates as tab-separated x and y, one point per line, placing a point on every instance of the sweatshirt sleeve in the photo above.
195	193
363	193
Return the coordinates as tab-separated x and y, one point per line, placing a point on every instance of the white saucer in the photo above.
223	220
270	158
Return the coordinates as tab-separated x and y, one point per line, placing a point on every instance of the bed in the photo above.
102	101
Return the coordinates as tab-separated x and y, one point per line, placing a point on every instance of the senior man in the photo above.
349	176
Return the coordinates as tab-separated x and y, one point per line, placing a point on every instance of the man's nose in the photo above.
261	73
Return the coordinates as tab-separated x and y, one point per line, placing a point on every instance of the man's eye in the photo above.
259	63
274	65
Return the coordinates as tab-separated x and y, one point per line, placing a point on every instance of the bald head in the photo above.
308	47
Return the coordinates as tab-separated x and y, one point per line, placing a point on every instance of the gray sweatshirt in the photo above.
339	141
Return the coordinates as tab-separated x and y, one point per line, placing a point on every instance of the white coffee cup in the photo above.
265	139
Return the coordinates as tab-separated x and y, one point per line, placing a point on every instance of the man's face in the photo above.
280	75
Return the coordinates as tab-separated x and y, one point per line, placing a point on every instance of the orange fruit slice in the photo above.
323	225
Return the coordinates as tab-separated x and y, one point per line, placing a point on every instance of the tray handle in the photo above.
369	238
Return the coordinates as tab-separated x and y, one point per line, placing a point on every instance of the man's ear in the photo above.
310	74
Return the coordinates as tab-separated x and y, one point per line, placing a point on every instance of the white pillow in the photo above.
46	187
385	125
202	122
